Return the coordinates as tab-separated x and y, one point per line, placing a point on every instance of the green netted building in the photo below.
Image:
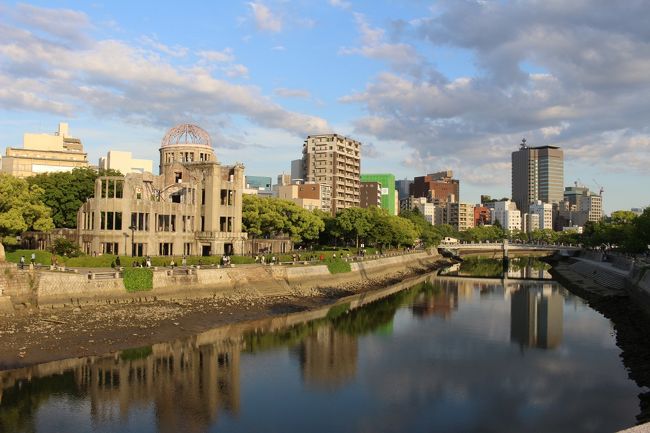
387	182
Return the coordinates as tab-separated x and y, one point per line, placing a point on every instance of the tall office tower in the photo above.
537	174
437	187
334	160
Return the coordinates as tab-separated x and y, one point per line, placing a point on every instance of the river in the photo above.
511	351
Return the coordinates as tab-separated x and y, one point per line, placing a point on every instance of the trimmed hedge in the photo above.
138	279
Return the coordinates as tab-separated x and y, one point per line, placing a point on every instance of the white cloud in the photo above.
264	18
399	56
279	48
237	70
283	92
116	80
174	51
340	4
223	56
590	98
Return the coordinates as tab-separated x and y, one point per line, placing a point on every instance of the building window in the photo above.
109	247
225	224
166	223
165	249
140	220
187	249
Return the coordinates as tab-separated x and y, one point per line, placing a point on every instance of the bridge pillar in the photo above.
504	248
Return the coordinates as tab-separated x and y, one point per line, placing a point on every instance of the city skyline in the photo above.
424	86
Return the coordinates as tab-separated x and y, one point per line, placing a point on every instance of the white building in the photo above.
545	213
507	214
531	222
125	163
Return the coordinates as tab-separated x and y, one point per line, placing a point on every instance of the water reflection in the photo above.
444	355
328	358
187	385
536	316
528	268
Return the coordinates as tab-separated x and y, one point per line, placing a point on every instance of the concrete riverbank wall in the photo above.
47	289
619	275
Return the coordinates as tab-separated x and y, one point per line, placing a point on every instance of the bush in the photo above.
138	279
65	247
338	266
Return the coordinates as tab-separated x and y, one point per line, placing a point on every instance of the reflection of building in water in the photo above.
328	358
536	317
439	303
529	272
186	384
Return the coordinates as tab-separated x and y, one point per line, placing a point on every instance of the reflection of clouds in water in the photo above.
459	363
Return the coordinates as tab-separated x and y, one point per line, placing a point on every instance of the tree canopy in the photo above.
269	217
65	192
22	207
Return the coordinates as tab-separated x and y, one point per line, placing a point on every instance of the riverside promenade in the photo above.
82	286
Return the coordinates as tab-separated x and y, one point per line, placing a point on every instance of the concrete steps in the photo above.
600	275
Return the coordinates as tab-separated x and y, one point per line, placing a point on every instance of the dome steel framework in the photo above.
186	134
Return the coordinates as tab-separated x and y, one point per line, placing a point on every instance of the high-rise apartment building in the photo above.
437	187
537	174
334	160
460	215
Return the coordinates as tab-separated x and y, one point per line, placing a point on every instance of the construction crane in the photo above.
602	190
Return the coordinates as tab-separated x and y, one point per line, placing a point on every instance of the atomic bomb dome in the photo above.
186	134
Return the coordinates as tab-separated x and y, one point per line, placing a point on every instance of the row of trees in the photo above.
623	230
268	217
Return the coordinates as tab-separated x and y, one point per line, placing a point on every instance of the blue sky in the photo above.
426	86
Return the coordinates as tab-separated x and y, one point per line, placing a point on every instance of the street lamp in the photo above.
132	228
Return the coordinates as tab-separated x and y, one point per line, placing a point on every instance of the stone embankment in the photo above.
47	289
617	276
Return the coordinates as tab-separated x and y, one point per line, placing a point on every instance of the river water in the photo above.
512	351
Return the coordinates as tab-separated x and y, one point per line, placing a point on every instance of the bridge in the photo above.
504	248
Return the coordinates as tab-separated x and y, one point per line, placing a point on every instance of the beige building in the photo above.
309	196
194	207
336	161
459	215
42	153
125	163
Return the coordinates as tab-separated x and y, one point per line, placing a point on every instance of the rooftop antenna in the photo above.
523	143
602	190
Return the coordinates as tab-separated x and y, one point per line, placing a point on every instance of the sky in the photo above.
425	86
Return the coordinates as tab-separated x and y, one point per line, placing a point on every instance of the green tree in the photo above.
65	192
355	223
270	217
21	207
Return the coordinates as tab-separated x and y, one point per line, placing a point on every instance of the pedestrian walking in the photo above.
33	258
22	262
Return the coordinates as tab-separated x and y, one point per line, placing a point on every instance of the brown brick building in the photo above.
437	187
370	194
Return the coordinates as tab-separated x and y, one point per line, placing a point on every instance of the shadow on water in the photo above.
631	325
